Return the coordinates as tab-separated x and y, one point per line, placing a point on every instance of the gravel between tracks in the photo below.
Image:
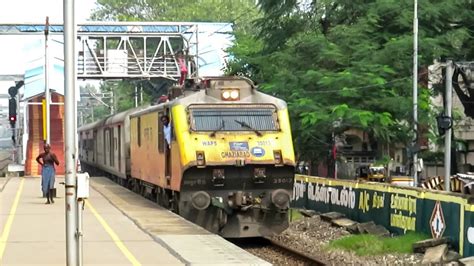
274	255
311	235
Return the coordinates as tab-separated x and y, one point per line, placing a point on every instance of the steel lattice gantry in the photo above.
126	49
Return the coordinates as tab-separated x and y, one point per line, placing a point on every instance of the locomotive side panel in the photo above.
117	158
286	139
85	148
126	147
147	162
180	145
100	147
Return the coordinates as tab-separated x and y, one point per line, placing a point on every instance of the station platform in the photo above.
120	228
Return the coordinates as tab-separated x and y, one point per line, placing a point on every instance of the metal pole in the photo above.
447	136
70	136
80	209
82	118
46	82
112	100
197	52
141	93
136	96
415	93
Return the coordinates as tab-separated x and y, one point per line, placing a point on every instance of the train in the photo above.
226	162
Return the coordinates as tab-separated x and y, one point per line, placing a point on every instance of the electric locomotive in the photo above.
229	165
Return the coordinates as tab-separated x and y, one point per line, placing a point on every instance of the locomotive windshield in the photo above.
235	118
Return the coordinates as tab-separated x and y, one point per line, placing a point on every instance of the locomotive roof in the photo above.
111	119
91	125
201	97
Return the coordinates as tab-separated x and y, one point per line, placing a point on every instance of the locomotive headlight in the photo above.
226	95
230	95
200	159
234	94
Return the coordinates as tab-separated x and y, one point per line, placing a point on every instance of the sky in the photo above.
30	11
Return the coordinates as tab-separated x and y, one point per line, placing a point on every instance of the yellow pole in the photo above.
43	105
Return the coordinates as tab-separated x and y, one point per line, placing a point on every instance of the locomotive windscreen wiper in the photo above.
244	124
213	134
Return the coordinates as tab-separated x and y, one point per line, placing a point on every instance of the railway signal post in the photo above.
47	96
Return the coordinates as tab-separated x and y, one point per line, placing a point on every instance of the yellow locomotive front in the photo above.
237	158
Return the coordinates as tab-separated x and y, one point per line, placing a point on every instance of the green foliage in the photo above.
350	61
239	12
366	245
432	157
295	215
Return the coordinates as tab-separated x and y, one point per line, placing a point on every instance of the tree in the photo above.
350	61
239	12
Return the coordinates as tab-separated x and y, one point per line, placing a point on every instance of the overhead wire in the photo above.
232	20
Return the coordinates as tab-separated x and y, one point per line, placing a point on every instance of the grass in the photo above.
295	215
365	245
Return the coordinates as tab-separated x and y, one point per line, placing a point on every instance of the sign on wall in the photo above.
400	210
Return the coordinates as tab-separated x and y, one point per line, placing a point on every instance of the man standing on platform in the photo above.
47	171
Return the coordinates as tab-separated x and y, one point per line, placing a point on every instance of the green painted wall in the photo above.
399	209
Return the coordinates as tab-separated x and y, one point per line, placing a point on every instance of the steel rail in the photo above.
306	257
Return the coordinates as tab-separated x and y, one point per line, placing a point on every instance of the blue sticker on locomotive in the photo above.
258	151
239	146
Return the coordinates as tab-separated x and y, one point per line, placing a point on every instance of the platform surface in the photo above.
120	228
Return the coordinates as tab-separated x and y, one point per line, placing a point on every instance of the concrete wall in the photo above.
399	209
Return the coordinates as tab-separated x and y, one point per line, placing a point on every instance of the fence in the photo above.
399	209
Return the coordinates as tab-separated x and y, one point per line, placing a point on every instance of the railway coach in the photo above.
229	166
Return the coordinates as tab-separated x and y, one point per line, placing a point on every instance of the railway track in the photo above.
276	252
311	260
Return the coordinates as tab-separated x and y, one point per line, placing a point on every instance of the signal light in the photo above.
12	119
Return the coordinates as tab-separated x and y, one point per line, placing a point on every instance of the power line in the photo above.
233	20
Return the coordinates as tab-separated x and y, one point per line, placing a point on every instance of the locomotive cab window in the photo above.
233	118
